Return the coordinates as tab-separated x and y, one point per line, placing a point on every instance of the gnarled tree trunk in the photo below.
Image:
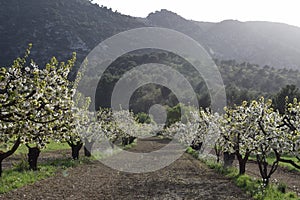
128	140
4	155
218	152
75	146
124	141
33	155
131	139
263	168
196	145
242	162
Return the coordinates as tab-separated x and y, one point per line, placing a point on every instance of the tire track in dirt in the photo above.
187	178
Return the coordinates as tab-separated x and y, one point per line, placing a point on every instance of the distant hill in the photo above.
263	43
60	27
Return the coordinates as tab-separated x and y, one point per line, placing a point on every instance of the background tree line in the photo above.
243	81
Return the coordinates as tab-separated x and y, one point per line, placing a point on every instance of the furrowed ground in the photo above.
187	178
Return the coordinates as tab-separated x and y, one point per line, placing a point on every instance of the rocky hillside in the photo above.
60	27
56	28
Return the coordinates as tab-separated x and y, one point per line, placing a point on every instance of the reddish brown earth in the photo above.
187	178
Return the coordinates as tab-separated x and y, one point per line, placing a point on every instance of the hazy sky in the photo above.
286	11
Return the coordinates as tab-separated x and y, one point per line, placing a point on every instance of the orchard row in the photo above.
39	105
251	129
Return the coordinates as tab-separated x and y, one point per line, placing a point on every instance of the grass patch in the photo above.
192	152
254	187
251	186
20	176
12	179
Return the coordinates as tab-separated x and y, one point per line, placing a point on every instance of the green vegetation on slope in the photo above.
243	81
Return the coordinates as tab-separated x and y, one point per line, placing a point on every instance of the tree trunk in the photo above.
196	146
124	141
4	155
228	159
33	155
242	161
242	167
75	149
131	139
1	168
88	148
263	168
218	153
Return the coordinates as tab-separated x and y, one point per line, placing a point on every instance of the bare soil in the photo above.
186	178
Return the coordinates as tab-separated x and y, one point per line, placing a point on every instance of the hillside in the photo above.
56	28
243	81
263	43
60	27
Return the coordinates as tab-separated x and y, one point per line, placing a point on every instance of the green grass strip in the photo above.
250	185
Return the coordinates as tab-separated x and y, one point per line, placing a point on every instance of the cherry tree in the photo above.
51	113
128	128
95	127
291	144
271	138
192	131
19	86
239	129
211	126
35	105
13	96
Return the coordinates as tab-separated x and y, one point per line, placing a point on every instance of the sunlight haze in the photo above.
213	10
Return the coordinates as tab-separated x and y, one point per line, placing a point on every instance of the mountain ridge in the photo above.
59	27
244	40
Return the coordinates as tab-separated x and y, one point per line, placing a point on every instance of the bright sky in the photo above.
286	11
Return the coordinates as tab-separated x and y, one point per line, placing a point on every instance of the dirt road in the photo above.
187	178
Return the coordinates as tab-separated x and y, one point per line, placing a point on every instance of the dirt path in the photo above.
187	178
